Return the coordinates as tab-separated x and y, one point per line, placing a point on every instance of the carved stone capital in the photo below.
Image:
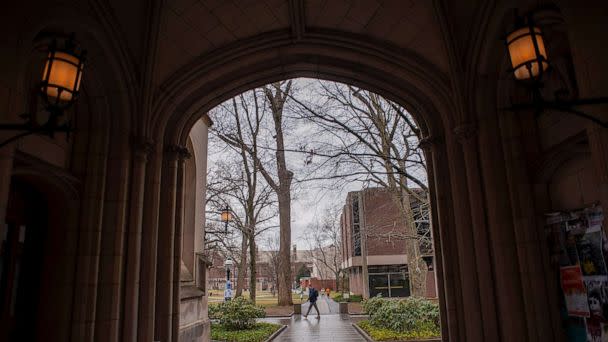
429	142
142	147
177	152
465	132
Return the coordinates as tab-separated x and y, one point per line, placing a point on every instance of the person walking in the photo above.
313	294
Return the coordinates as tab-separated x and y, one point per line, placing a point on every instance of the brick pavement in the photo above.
331	327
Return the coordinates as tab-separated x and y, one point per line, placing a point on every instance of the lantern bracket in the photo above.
539	105
534	82
30	127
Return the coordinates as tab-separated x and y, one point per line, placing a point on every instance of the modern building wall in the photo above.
385	232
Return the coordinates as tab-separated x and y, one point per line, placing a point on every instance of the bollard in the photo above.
343	307
297	309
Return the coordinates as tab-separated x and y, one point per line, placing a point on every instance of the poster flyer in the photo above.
575	292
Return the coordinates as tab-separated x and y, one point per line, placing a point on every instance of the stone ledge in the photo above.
190	292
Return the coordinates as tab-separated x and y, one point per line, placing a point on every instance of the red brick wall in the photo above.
381	218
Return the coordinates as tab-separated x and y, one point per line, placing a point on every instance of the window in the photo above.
389	281
356	226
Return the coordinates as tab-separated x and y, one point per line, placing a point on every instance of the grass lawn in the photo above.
264	299
382	334
259	333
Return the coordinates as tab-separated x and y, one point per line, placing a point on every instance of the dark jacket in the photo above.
313	294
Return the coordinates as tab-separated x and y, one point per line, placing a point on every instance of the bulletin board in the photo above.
579	250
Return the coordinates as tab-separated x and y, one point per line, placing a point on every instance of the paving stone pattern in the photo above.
330	327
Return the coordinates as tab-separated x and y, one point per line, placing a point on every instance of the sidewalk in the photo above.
331	327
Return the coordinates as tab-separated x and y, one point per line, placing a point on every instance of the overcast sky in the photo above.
311	198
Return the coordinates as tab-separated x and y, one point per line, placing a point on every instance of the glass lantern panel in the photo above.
63	74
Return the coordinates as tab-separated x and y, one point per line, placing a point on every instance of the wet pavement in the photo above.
331	327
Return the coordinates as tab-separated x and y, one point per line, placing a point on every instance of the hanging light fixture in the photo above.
226	216
62	75
527	52
59	89
529	62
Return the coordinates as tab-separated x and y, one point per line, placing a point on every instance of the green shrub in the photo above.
383	334
355	298
236	314
415	316
371	306
258	333
351	298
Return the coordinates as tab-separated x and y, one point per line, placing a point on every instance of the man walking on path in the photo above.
313	294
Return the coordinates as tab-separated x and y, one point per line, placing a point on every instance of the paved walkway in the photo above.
331	327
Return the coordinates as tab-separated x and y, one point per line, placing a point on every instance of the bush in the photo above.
352	298
355	298
236	314
371	306
259	332
383	334
416	316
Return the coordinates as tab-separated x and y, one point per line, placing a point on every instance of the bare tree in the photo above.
253	203
246	138
363	137
324	244
274	260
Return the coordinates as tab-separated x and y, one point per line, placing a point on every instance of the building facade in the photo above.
372	227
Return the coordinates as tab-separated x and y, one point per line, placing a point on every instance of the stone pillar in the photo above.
147	288
177	247
134	240
112	258
89	240
446	285
468	275
467	136
505	260
6	169
166	236
541	311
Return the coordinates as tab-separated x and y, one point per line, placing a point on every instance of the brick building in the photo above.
370	222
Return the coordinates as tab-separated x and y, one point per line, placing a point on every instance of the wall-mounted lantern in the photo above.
529	61
59	89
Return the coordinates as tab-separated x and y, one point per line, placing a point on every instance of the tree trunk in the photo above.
416	266
252	268
285	247
240	281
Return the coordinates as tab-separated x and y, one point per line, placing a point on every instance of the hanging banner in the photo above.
574	291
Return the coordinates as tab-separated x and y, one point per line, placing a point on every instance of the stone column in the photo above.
112	258
505	260
472	321
538	288
166	236
147	288
6	169
179	227
134	240
447	285
89	240
467	136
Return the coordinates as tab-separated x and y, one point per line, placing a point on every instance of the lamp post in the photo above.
529	62
228	289
226	217
59	89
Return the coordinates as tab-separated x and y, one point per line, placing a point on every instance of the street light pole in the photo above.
228	287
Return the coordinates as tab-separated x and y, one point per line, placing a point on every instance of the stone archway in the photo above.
463	260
